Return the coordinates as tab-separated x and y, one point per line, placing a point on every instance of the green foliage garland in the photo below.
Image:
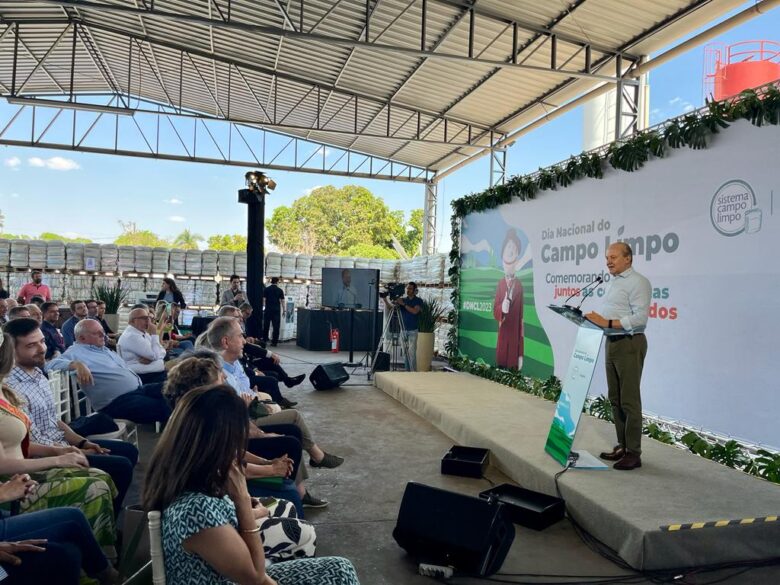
759	107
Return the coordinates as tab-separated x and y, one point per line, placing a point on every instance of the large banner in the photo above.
704	230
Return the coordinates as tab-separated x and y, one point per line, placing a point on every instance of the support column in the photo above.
429	219
497	166
255	253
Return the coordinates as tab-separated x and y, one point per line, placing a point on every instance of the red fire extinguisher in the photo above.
334	340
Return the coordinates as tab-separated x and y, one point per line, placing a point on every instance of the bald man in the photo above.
140	347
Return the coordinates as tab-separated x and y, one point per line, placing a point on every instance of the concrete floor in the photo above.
385	446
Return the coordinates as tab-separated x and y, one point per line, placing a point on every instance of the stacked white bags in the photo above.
317	264
74	256
92	257
109	258
346	262
160	257
435	269
208	262
389	271
205	294
240	264
332	261
405	270
303	266
20	254
273	264
78	287
37	254
56	282
177	261
226	264
5	253
55	255
126	258
194	262
288	266
143	259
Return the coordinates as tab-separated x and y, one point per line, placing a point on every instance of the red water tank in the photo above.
741	66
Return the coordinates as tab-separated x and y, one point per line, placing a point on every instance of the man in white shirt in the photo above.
140	347
347	297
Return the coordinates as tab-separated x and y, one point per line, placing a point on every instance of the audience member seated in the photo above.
259	357
233	295
34	288
251	324
3	311
37	546
35	312
209	520
170	293
79	310
140	347
110	385
204	368
19	312
267	478
117	458
4	294
63	473
100	318
37	300
55	343
10	303
225	337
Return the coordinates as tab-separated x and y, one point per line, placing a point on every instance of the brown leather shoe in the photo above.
615	455
629	461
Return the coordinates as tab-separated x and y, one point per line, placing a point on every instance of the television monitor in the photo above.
350	288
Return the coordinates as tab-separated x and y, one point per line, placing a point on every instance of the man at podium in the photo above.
624	317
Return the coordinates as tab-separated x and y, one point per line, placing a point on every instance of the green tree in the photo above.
49	236
412	239
333	221
187	240
372	251
227	243
132	236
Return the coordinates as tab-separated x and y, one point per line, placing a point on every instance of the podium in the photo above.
574	392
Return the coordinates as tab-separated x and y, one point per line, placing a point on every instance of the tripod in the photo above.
398	347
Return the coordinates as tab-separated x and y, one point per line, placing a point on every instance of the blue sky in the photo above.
87	195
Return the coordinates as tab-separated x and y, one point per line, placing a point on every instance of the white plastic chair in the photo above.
155	548
83	407
58	382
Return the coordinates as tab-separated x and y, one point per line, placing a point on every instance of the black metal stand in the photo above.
254	246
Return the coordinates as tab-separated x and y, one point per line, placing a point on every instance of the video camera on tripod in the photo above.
393	291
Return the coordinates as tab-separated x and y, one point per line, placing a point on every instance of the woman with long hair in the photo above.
63	473
170	293
210	529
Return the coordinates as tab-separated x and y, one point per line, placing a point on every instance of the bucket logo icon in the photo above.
733	209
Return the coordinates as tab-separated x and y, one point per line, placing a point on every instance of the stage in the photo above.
679	510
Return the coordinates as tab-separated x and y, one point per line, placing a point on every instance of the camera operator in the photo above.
410	307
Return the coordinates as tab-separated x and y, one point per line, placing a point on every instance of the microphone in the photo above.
598	280
595	284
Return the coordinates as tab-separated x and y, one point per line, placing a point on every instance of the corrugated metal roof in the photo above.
236	59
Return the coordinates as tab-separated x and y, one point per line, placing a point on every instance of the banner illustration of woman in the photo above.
508	306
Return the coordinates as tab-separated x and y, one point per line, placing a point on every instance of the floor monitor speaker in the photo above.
328	376
446	528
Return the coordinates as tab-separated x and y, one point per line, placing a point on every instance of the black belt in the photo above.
619	337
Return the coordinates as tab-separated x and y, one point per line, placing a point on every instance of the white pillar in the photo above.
429	219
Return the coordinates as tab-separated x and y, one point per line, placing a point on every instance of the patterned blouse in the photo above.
185	517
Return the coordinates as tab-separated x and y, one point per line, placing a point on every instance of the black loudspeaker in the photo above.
328	376
382	362
445	528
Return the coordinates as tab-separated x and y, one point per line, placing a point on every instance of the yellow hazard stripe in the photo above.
717	524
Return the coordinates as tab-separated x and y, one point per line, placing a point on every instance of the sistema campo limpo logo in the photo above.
734	210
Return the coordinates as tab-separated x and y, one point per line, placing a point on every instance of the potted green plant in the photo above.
113	295
430	314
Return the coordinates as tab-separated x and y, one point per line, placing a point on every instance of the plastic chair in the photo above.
83	407
155	548
58	382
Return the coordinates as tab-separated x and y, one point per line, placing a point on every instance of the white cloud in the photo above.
675	100
177	218
309	191
12	162
319	151
55	163
174	201
688	107
15	195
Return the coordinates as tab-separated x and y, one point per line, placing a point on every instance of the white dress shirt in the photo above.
627	300
135	344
